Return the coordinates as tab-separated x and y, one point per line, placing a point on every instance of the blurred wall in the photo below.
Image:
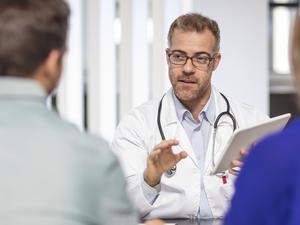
243	72
116	58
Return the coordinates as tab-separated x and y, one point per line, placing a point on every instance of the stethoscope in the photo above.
172	171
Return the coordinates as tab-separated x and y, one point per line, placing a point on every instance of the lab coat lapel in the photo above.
173	128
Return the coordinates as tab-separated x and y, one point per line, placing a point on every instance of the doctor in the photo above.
168	146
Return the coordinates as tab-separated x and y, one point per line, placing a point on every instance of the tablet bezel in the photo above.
244	137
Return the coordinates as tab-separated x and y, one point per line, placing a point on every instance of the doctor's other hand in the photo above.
235	165
154	222
160	160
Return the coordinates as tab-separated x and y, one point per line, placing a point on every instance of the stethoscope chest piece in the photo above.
171	172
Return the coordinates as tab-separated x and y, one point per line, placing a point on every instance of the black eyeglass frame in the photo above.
209	57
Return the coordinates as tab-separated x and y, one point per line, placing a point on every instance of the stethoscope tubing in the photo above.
172	171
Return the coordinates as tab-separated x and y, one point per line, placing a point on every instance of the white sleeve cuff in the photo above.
150	193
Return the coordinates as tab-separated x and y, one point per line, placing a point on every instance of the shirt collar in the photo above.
15	86
208	111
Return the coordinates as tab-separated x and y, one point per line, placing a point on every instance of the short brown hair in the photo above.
29	30
195	22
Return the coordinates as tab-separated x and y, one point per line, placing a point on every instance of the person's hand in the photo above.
236	164
160	160
154	222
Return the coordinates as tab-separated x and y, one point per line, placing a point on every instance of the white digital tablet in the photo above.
243	138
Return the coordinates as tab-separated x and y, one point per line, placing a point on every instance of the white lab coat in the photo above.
179	197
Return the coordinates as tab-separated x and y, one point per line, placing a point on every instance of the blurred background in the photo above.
116	57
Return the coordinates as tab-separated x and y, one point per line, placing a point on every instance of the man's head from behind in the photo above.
32	39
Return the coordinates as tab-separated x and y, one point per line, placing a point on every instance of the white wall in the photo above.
101	67
243	73
70	92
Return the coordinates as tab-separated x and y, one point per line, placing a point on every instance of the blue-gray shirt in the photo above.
51	173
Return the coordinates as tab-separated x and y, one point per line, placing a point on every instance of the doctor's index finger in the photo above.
243	152
166	144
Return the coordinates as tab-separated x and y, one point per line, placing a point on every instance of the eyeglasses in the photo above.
200	60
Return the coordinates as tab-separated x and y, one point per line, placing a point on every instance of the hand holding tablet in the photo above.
243	138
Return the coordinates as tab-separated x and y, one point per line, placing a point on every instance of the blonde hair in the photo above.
295	47
295	56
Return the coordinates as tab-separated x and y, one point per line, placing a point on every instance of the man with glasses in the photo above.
168	146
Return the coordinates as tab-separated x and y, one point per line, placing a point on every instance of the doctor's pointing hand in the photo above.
160	160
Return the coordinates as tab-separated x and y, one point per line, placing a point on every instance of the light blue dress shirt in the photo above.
198	133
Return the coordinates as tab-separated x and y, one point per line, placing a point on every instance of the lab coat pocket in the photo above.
169	202
218	194
227	190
